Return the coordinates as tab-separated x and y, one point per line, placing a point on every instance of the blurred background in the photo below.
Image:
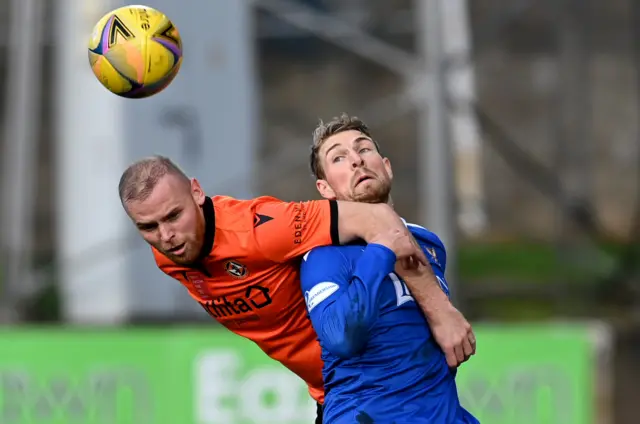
512	128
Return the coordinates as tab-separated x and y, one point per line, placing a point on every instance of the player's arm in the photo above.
295	228
429	290
344	303
366	221
450	328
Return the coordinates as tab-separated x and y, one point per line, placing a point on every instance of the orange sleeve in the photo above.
286	230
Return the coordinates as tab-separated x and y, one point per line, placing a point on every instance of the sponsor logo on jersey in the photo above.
432	251
319	293
255	297
259	219
236	269
297	223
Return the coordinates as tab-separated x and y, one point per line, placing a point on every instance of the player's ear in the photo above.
197	192
325	189
387	166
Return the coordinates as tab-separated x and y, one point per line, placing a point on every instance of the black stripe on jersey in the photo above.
335	232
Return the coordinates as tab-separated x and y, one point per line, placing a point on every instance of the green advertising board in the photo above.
524	375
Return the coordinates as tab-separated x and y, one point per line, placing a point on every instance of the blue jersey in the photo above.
381	363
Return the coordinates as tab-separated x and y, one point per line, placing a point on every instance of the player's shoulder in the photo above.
431	242
425	234
320	267
240	214
228	203
324	255
320	252
262	200
322	259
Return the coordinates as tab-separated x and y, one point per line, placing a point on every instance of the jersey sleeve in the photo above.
343	303
288	230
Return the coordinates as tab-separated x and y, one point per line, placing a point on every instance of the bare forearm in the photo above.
365	221
451	330
426	291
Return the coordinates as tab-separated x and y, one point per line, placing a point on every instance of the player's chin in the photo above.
372	193
184	258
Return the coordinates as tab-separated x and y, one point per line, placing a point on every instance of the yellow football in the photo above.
135	51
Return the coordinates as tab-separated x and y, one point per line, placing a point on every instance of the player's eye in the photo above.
147	227
337	158
173	216
364	150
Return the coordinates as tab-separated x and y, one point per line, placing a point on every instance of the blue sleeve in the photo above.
437	259
343	301
431	244
440	257
435	251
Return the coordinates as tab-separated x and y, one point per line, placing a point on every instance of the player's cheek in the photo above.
150	238
186	228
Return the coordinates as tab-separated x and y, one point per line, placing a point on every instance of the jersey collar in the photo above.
209	229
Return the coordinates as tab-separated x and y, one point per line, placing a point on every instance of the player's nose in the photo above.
356	161
166	234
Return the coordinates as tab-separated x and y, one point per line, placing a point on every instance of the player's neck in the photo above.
390	202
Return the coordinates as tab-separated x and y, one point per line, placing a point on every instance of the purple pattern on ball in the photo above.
104	40
136	91
168	45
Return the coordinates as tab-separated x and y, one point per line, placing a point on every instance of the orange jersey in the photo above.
248	278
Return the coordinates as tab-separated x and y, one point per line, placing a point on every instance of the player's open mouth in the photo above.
362	179
177	250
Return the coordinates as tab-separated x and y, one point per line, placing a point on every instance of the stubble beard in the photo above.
375	193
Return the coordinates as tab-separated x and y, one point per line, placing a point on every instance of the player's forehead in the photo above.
344	139
166	196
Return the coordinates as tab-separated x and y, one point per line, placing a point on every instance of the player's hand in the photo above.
454	334
402	243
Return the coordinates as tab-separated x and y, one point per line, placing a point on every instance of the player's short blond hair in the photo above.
323	131
140	178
